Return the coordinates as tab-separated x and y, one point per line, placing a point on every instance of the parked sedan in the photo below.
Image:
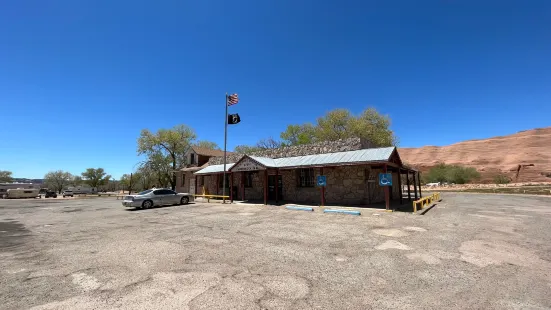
155	197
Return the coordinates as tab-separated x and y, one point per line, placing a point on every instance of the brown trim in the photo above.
387	194
243	158
243	185
266	187
409	190
400	185
231	187
277	186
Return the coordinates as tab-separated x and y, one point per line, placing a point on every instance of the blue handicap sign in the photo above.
322	180
385	179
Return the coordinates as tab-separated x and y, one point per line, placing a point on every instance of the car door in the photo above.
171	197
158	197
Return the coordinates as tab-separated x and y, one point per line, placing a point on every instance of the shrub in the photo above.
502	179
451	174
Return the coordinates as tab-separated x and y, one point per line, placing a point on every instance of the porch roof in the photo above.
214	169
359	156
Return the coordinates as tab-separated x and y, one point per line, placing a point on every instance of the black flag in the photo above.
233	119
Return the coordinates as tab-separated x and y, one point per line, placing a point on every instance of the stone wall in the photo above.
343	145
346	185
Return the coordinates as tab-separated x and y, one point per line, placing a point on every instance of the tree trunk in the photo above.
173	182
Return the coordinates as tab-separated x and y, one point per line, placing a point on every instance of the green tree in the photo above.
207	144
335	125
5	176
57	180
374	127
451	174
298	134
342	124
95	177
502	179
167	143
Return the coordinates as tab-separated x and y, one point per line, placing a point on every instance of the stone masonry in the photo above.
343	145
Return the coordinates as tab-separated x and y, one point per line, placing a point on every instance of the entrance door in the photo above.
271	187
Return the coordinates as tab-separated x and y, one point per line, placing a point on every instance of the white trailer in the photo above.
23	193
4	187
82	190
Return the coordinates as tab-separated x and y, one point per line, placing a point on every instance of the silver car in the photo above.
155	197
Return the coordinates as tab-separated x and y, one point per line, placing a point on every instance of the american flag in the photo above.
233	99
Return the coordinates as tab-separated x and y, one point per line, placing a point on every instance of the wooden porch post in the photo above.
387	194
243	185
419	180
196	176
266	186
322	190
217	184
277	186
409	190
400	185
231	187
415	185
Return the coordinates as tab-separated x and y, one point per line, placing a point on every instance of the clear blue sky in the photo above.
80	79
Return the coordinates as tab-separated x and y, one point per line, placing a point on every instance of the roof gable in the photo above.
249	163
203	151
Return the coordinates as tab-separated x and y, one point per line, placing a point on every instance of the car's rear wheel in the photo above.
147	204
184	200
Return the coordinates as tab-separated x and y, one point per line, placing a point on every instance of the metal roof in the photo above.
359	156
265	161
365	155
214	169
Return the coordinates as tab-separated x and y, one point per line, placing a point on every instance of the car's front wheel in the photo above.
184	200
147	204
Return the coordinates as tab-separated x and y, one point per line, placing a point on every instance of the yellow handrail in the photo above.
426	201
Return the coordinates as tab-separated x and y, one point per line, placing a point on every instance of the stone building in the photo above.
351	168
198	158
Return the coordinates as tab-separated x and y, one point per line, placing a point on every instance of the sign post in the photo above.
322	182
385	180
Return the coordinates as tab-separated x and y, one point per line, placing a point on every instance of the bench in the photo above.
209	197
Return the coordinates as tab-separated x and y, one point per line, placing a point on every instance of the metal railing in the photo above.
426	201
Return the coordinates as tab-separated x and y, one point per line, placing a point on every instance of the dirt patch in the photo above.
390	232
483	253
12	234
392	244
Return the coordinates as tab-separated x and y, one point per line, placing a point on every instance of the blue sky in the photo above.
80	79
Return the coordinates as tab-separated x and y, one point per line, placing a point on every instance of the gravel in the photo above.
469	252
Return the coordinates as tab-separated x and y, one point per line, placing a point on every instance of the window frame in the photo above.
306	178
248	182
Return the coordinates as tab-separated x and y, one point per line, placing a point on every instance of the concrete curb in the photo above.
351	212
299	208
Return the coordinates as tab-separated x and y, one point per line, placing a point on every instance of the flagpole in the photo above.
225	143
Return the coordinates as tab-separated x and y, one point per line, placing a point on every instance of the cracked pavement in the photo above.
469	252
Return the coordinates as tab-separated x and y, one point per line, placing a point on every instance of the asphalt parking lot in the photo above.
471	251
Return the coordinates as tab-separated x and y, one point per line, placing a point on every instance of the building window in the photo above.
305	177
221	180
202	183
192	159
183	180
248	179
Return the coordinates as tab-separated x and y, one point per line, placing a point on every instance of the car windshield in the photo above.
145	192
